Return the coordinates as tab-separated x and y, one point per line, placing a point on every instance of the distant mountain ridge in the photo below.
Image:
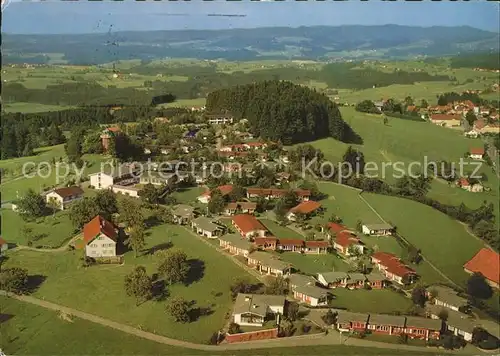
319	42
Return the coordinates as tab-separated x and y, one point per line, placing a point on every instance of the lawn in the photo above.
313	264
188	195
444	241
344	202
374	301
281	232
99	289
30	330
32	107
185	103
50	230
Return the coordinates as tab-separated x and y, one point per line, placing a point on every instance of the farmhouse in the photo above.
123	174
99	236
223	189
392	267
386	324
243	207
317	247
377	229
486	262
346	243
64	196
266	243
182	214
267	264
446	297
290	245
446	120
235	244
333	279
466	185
350	322
205	227
255	309
248	226
311	295
304	208
476	153
423	328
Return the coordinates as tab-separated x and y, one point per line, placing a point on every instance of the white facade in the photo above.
204	199
63	202
476	156
101	180
101	246
466	335
121	189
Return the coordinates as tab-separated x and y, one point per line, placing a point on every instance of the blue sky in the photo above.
89	17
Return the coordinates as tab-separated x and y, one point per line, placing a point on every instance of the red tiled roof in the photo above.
96	226
306	207
263	240
68	191
291	242
336	228
486	262
392	264
2	242
248	223
477	151
345	239
463	182
225	189
113	129
317	244
242	204
302	192
255	144
444	117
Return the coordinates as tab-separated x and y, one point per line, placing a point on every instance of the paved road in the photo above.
333	338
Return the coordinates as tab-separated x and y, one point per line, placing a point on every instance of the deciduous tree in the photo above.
139	285
174	266
14	280
179	309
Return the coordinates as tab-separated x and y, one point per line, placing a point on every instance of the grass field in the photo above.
188	195
50	231
31	330
344	202
279	231
313	264
32	107
99	289
374	301
186	103
444	241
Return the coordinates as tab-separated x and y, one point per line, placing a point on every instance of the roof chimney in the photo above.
247	298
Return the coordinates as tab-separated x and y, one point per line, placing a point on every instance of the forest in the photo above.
282	111
482	60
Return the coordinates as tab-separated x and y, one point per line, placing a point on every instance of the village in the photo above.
255	210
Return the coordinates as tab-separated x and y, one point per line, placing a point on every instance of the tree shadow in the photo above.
159	289
197	312
350	136
152	221
34	282
162	246
5	317
40	236
196	271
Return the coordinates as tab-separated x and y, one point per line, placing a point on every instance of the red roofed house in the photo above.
305	208
248	226
446	120
465	184
4	246
392	267
266	243
291	245
316	247
476	153
224	189
486	262
99	236
64	196
345	242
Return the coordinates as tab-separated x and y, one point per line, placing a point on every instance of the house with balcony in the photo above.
256	309
63	197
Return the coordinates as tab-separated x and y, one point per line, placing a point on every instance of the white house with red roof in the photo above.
305	208
248	226
345	242
100	236
476	153
486	262
393	269
4	245
224	189
466	185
